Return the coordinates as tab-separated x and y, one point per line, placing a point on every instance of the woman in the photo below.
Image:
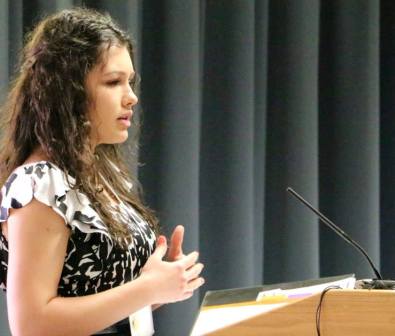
74	232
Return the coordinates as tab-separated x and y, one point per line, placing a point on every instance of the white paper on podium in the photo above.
213	319
347	283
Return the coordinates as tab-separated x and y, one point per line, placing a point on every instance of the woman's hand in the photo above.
175	280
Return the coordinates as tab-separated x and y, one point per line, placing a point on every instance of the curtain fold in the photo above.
4	38
349	132
260	123
179	142
226	182
241	99
292	140
387	138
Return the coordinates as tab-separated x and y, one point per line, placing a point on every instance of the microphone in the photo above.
377	283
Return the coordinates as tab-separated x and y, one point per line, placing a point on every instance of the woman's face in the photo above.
111	97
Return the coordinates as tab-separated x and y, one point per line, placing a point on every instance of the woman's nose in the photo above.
130	99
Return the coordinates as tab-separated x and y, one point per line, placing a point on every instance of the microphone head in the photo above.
375	284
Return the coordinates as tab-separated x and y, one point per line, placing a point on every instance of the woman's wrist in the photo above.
148	288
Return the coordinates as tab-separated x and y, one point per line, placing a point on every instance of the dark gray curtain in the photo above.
242	99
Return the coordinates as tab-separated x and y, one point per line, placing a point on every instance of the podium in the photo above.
344	312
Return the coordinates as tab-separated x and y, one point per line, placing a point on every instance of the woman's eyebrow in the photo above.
123	73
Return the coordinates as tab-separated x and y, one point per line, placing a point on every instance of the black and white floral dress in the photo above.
93	262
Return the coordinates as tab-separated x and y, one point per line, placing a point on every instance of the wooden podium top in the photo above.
344	312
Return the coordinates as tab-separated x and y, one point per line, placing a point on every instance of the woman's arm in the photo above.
37	238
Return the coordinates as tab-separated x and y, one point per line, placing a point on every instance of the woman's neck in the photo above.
36	156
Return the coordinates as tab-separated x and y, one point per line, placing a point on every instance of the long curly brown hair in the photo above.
47	108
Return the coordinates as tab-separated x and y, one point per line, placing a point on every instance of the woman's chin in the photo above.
120	139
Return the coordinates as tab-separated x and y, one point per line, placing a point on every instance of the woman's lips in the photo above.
125	120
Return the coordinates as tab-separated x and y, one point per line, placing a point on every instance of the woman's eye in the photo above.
113	82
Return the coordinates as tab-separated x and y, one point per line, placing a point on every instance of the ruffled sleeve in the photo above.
43	181
49	185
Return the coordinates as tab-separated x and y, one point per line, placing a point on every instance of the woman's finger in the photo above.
189	260
195	284
161	247
194	271
176	241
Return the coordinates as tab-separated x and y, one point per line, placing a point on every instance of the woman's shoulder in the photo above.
37	168
42	180
48	184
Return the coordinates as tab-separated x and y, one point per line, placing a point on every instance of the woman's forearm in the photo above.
85	315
